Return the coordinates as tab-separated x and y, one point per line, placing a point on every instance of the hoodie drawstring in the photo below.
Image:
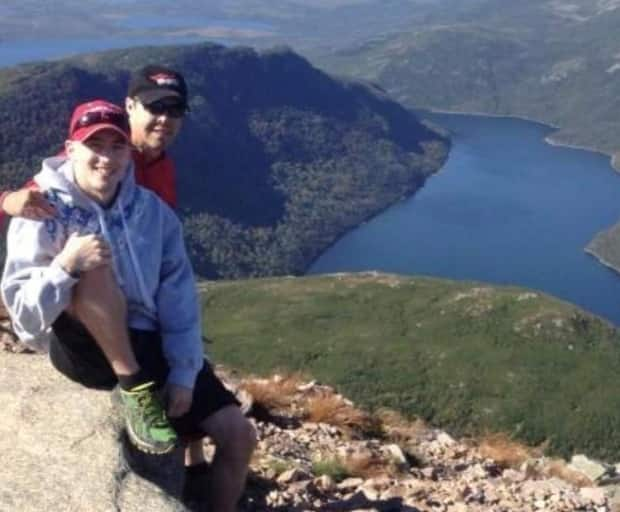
134	261
108	239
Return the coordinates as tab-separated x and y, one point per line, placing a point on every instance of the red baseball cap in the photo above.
93	116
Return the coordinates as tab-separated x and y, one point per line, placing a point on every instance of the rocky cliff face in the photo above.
62	449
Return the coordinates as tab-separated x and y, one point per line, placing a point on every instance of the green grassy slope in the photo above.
468	357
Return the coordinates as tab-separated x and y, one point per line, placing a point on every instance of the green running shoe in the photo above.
146	421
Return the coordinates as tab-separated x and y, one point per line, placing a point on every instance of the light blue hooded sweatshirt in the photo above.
149	260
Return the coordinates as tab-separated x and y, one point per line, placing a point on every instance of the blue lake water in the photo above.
17	52
154	21
506	208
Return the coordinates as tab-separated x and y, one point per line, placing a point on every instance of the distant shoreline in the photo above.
592	252
613	160
403	197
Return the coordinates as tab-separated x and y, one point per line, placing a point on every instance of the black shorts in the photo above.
75	354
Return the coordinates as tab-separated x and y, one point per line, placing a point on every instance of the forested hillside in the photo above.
276	158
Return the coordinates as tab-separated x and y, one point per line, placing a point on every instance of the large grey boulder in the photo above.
62	448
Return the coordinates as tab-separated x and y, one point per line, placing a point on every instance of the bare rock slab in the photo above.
62	448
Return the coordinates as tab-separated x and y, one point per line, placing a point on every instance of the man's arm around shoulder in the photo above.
28	202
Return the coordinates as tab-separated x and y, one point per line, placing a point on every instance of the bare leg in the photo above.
197	476
235	439
100	305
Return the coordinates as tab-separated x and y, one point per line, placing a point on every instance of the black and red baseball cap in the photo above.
153	83
93	116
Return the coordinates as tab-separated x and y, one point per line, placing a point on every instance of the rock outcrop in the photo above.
63	450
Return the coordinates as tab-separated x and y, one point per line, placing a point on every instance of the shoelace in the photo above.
153	412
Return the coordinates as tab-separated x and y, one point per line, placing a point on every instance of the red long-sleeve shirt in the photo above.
158	176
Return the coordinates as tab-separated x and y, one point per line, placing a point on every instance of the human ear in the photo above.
129	104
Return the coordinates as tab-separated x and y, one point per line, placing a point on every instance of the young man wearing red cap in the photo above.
156	103
98	229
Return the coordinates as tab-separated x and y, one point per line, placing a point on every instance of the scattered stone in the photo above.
324	483
293	475
457	507
445	439
595	495
591	469
306	387
350	484
397	454
455	476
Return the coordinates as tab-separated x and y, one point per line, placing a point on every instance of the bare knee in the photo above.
246	437
232	433
242	440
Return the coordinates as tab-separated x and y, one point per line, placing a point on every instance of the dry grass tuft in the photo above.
275	393
362	465
559	468
370	466
506	452
399	429
334	410
365	466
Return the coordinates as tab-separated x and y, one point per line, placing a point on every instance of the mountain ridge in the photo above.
526	60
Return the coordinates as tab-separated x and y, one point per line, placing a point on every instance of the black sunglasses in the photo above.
161	107
92	118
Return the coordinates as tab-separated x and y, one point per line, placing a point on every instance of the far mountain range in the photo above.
298	23
553	61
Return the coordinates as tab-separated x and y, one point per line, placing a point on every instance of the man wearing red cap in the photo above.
96	231
156	103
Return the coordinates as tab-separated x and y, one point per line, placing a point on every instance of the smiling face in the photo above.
99	164
151	131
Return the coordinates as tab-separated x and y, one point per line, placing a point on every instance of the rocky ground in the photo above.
318	452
